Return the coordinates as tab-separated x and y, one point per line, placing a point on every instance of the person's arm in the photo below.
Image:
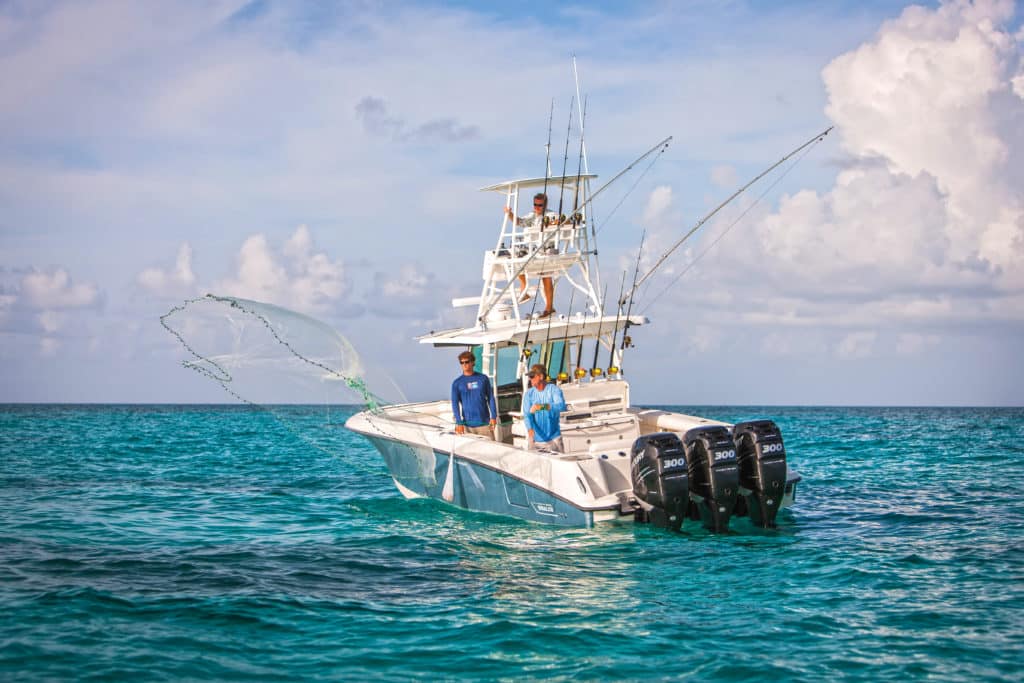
457	409
557	399
491	405
527	414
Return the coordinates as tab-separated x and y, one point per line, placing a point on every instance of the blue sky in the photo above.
325	157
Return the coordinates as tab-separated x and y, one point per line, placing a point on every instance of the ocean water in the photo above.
216	542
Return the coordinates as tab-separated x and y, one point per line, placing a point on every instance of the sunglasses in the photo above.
467	362
538	206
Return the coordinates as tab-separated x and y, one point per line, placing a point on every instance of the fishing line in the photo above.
725	232
630	191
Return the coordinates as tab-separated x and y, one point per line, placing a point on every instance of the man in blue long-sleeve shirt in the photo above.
542	404
472	400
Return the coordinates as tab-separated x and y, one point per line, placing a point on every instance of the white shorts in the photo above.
555	445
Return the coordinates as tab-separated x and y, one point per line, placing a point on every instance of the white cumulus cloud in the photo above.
55	290
409	292
178	281
47	306
296	276
931	101
926	217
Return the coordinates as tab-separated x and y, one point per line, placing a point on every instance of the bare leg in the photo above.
549	295
522	288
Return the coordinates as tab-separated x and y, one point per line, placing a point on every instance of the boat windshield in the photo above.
557	359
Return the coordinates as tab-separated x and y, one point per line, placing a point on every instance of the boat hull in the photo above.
420	471
578	489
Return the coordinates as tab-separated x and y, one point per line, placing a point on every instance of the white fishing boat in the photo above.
620	462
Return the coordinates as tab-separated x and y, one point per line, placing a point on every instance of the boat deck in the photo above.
598	419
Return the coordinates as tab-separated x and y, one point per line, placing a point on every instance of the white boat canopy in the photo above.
568	181
516	331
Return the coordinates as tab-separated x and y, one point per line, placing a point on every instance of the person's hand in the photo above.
460	429
508	211
492	424
535	407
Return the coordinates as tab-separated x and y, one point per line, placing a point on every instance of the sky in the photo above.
325	157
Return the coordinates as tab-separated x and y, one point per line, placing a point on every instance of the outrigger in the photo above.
621	462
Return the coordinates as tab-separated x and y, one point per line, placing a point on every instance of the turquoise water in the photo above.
199	542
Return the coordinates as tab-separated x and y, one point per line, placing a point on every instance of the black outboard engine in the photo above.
714	477
660	480
762	463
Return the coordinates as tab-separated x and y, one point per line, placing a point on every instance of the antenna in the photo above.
583	149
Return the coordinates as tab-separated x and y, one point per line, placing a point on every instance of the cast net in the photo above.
297	368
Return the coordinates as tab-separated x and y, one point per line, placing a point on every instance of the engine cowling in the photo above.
761	456
660	480
714	476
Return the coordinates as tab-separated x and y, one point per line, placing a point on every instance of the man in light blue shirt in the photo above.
541	407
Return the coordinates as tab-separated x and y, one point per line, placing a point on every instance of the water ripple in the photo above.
169	542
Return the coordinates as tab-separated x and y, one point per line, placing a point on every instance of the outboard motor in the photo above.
714	477
762	463
660	480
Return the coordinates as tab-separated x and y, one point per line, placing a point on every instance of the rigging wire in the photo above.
725	232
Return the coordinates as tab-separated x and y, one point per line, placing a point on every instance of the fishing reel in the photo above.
627	342
527	353
580	373
613	370
596	372
563	376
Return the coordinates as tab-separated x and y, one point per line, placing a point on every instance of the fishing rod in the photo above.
547	338
660	147
816	139
547	162
594	370
632	291
615	329
579	372
729	227
526	340
565	161
562	374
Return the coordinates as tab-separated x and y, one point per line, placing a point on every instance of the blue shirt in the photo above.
471	399
544	423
